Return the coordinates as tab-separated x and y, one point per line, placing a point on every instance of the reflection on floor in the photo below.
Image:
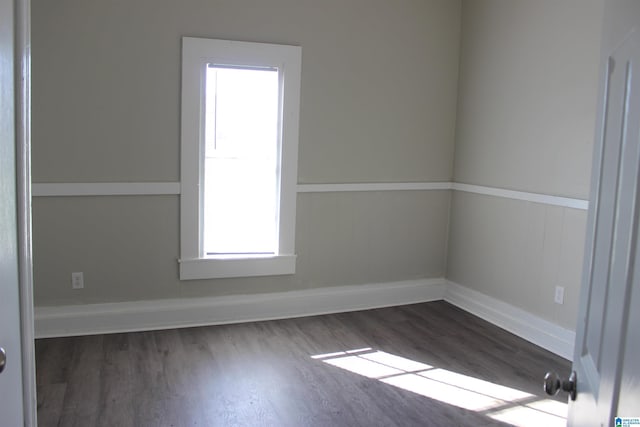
496	401
420	365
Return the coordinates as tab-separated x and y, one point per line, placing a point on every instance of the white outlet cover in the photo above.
559	297
77	280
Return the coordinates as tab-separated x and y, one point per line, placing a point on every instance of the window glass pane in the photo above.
241	151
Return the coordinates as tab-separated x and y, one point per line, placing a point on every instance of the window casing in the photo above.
197	259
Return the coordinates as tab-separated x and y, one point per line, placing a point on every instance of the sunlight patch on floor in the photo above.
526	416
397	362
444	392
476	385
496	401
364	367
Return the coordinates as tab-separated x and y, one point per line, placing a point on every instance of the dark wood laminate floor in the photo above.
272	373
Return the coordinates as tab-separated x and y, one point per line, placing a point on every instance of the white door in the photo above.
11	406
608	380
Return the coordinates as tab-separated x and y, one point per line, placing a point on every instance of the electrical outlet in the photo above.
77	280
559	297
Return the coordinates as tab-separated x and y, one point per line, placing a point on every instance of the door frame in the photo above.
22	76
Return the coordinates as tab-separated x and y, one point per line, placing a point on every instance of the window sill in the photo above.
217	267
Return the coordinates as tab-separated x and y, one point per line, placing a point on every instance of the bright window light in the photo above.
340	353
239	124
524	416
549	406
444	392
363	367
496	401
241	161
394	361
476	385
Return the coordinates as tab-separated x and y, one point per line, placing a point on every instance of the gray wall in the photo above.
526	113
127	246
378	103
382	101
378	86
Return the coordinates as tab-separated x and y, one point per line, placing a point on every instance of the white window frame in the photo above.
196	54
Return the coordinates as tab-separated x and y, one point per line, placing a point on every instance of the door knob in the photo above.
553	383
3	359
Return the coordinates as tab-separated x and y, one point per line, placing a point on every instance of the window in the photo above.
240	161
239	138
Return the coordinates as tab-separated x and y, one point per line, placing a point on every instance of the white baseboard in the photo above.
532	328
90	319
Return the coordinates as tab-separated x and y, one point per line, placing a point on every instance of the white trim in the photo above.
532	328
196	54
376	186
105	189
133	316
547	199
173	313
23	177
213	268
169	188
522	195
